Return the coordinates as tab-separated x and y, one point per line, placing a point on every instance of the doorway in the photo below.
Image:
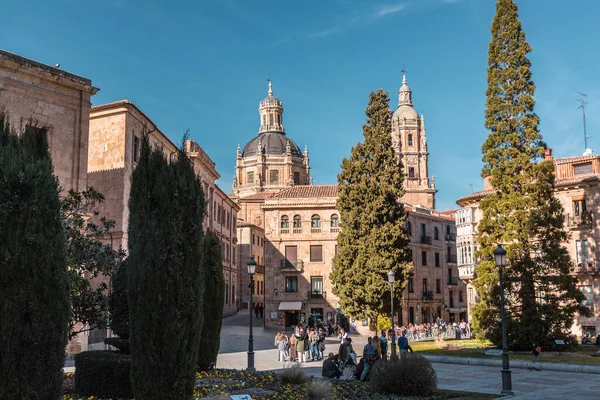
291	318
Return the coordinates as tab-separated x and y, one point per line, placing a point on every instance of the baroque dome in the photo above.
406	111
273	143
405	105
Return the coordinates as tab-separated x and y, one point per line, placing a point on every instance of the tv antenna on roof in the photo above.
583	102
471	184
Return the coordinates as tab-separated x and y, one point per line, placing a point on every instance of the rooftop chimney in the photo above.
548	155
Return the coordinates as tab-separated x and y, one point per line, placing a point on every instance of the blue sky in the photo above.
202	66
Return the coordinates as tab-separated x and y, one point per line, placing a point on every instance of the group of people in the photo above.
259	310
438	329
344	365
303	345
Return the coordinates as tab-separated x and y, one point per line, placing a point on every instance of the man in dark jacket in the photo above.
330	368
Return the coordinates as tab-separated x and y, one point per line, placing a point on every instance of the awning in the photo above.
457	309
290	306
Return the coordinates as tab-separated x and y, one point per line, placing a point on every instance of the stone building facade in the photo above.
32	92
577	187
114	148
301	224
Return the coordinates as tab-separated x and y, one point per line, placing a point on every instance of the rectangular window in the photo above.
584	169
471	296
411	315
582	249
316	286
411	172
253	238
136	148
447	229
423	229
316	253
250	177
579	207
411	288
291	255
296	178
274	177
233	294
291	284
425	285
437	259
226	294
424	258
460	296
438	286
271	119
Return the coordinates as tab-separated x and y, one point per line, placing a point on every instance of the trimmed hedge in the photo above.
407	375
103	374
119	343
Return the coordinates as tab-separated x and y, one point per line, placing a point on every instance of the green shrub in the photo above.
103	374
319	389
214	298
293	375
118	305
407	375
383	323
34	303
119	343
164	275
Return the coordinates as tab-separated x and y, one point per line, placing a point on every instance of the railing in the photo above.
285	231
315	230
317	295
297	230
590	267
451	258
451	237
294	266
580	221
453	280
466	271
427	295
334	229
425	239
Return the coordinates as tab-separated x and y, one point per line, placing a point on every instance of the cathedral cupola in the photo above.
404	94
405	109
271	113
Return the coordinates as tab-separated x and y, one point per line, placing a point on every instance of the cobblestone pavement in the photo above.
526	384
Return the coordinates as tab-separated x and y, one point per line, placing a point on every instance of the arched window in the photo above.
410	141
285	222
297	221
264	119
409	228
315	221
335	221
436	234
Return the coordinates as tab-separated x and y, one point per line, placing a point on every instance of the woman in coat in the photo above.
293	351
301	345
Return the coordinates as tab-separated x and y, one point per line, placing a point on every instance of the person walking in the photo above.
369	357
403	344
293	351
261	310
314	345
301	345
535	362
256	310
282	347
343	335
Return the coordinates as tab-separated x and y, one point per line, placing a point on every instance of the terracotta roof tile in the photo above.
258	196
566	160
309	191
476	195
577	179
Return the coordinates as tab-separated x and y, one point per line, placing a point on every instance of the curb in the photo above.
584	369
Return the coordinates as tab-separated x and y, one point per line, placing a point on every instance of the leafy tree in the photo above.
541	295
165	276
214	297
34	299
91	259
373	239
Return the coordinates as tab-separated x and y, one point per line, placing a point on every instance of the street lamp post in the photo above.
500	256
251	270
391	278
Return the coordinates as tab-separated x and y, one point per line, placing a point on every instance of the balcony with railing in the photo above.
315	230
451	237
466	272
582	221
451	258
453	280
296	230
428	296
289	265
425	239
589	267
316	294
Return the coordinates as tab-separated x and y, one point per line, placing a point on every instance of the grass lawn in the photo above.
474	348
219	384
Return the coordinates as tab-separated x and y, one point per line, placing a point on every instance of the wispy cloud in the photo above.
324	33
387	9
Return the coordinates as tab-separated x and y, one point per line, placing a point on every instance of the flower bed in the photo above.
266	386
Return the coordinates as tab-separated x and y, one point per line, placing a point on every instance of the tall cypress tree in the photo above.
373	239
34	294
214	298
165	289
523	214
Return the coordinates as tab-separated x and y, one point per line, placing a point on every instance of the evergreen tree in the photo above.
214	298
34	295
164	275
118	305
373	239
523	214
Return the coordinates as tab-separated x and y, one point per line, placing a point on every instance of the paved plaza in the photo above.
526	384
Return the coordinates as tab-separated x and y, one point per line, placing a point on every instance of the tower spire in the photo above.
270	87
